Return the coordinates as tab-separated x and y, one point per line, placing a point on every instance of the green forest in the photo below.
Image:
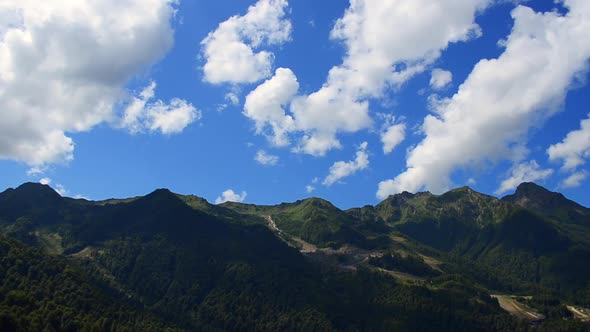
168	262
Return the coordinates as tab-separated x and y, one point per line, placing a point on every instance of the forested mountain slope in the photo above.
415	262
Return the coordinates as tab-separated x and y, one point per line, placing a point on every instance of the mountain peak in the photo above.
530	188
316	201
463	189
403	196
36	191
532	195
161	194
535	197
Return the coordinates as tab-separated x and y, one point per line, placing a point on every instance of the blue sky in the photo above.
274	100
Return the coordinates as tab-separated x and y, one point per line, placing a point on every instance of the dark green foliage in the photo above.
167	261
43	293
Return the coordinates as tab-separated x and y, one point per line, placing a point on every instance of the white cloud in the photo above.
440	78
574	148
309	188
265	105
63	65
171	118
387	43
523	172
573	151
264	158
230	196
342	169
392	133
142	114
574	180
230	50
45	181
490	115
232	97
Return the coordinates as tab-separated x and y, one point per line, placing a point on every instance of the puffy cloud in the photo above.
342	169
392	133
574	148
309	188
64	64
229	51
170	118
523	172
230	196
386	40
387	43
322	115
488	118
265	106
264	158
440	78
45	181
392	136
574	180
142	114
573	151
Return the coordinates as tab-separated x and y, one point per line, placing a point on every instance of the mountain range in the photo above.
460	261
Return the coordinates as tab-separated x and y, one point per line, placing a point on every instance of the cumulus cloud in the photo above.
45	181
309	188
574	180
265	106
143	114
342	169
392	133
490	115
264	158
63	65
573	151
440	78
382	51
230	196
231	50
523	172
170	118
392	136
574	148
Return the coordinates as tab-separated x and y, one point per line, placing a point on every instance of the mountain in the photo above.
516	242
41	292
550	204
176	262
314	220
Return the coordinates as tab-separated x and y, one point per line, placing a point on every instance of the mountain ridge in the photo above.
202	266
523	189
